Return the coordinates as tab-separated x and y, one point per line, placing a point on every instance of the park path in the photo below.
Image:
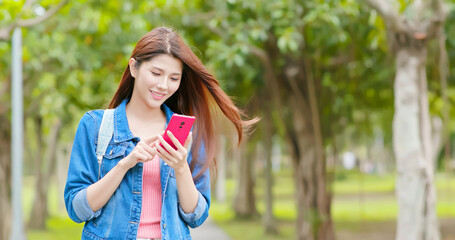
208	231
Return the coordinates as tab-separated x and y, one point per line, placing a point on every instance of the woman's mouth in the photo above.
157	95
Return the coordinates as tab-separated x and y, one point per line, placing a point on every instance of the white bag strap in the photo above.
104	136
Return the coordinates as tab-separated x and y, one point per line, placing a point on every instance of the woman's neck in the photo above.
144	122
139	111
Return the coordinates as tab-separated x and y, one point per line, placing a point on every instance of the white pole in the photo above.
17	135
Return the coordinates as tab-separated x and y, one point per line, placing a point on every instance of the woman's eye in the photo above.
175	79
155	74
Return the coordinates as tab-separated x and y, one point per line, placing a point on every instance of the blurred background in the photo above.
355	99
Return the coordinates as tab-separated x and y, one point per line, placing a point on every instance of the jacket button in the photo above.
164	226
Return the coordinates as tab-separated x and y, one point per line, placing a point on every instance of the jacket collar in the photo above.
122	130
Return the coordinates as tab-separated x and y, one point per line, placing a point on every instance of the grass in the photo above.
359	200
354	182
57	228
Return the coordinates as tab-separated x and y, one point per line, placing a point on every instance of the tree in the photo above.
22	19
244	201
268	218
295	52
408	35
263	44
64	77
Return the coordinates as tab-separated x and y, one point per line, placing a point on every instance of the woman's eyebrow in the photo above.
159	69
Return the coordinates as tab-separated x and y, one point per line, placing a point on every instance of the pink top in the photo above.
149	225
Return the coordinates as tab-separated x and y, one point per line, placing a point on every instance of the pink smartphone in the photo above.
180	126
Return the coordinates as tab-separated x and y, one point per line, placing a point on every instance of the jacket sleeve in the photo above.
200	214
82	171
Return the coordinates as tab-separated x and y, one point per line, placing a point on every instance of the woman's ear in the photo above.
132	64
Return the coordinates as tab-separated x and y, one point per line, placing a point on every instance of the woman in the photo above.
141	189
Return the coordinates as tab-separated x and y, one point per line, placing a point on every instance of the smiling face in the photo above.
156	80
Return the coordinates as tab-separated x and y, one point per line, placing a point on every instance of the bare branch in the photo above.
269	74
440	9
217	31
383	7
419	6
339	60
388	12
431	26
291	76
48	14
5	32
28	4
261	54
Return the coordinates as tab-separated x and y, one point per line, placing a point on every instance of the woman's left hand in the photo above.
174	158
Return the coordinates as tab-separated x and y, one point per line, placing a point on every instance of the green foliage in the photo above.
77	57
74	60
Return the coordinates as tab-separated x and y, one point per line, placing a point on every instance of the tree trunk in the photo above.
276	155
314	221
244	202
413	149
313	202
301	120
62	159
44	169
5	178
268	218
221	177
412	139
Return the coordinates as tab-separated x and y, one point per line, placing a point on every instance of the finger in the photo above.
166	161
163	151
166	145
140	157
162	155
147	147
145	153
143	148
151	140
153	152
188	141
174	140
146	160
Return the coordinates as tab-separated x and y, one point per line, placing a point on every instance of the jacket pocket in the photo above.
87	234
114	153
102	225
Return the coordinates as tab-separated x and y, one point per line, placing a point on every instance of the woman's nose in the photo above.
162	85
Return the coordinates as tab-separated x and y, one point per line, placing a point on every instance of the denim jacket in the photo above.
119	217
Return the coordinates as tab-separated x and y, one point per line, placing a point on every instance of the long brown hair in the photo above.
199	93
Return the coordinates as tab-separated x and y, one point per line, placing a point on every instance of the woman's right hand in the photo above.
100	192
143	152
